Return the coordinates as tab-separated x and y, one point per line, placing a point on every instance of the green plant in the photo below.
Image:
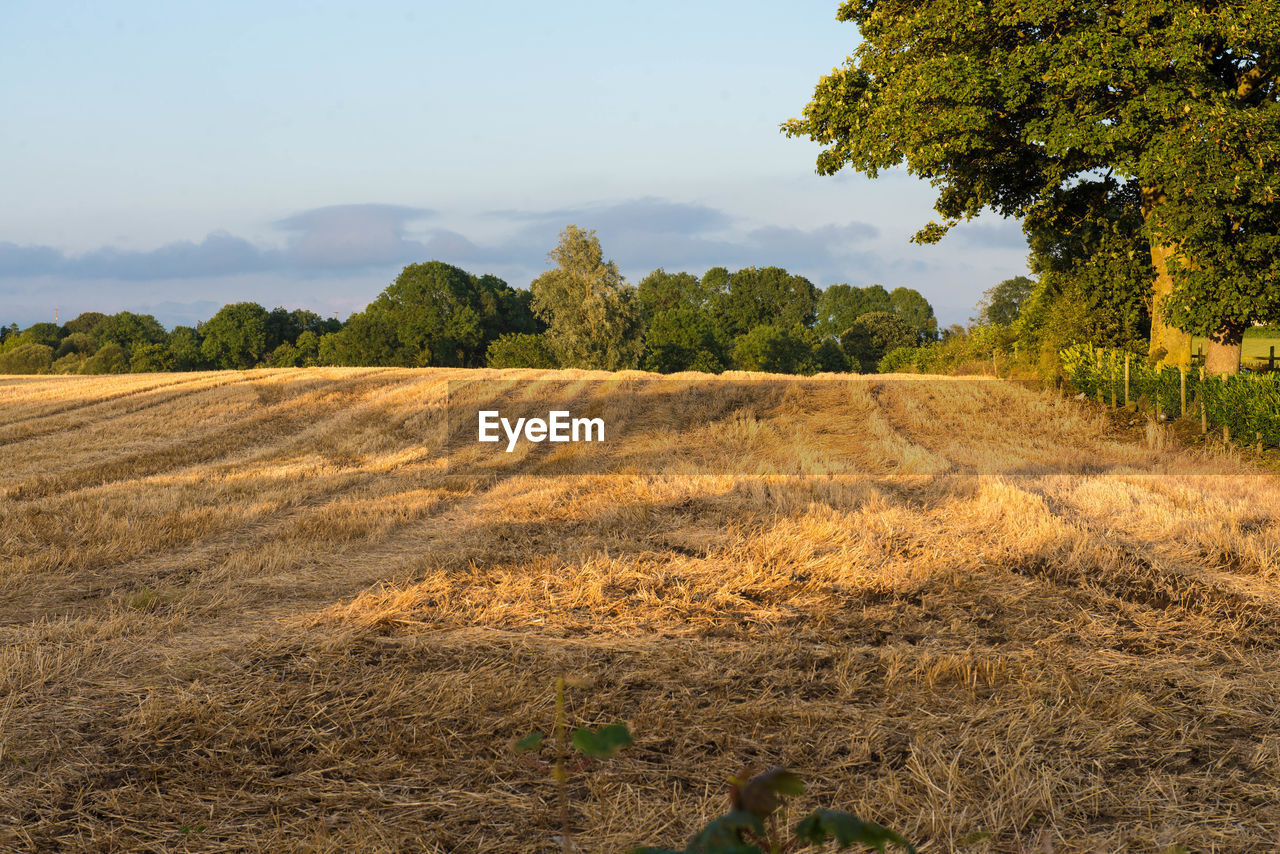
754	824
593	744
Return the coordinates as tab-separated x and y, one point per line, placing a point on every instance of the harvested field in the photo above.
263	611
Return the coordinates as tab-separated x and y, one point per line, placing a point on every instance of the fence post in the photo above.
1204	415
1271	359
1127	357
1111	377
1182	384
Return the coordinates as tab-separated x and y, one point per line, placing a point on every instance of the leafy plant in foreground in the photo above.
753	824
599	743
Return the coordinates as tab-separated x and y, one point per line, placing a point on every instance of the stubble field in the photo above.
264	611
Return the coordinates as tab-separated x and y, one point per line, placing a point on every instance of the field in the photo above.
262	611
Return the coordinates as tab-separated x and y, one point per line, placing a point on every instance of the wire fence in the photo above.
1245	407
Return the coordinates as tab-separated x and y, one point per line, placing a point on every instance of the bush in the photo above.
899	360
521	350
27	359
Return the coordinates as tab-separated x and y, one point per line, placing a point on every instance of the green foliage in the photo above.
750	827
846	830
1001	303
680	338
914	310
840	305
235	337
871	336
76	342
27	359
522	350
662	291
85	323
150	358
592	317
1014	106
185	351
367	339
1247	405
111	358
899	360
765	296
603	742
129	331
776	349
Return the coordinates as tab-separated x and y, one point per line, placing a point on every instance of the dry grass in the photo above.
261	611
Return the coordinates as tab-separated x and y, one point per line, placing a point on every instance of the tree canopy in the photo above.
1020	107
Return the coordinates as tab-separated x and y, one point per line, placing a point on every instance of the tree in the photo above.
433	309
759	296
679	338
840	305
662	291
367	339
873	335
27	359
184	349
235	337
915	311
776	349
1002	302
129	330
1017	107
592	317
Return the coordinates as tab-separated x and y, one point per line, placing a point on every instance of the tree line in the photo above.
580	313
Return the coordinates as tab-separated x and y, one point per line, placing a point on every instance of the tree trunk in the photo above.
1169	344
1222	354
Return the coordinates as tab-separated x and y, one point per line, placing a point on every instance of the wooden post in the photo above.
1204	415
1226	432
1271	359
1127	357
1258	439
1111	377
1182	383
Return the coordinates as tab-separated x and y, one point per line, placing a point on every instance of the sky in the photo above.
168	158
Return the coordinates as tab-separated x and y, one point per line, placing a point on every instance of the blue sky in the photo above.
170	158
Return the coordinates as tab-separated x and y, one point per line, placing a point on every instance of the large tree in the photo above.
592	316
1014	106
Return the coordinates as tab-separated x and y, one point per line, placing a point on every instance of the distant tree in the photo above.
6	331
840	305
433	309
129	330
662	291
111	358
77	342
150	358
522	350
366	339
86	323
235	337
503	310
45	334
872	336
1002	302
914	309
27	359
775	349
591	313
771	296
830	356
185	353
679	338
